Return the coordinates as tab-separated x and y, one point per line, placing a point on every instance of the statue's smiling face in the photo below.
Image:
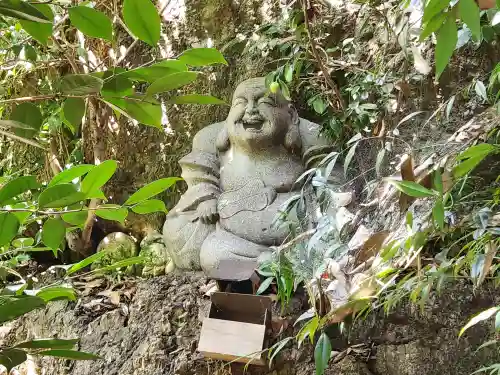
257	117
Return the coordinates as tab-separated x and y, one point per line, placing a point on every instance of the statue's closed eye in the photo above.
239	101
267	100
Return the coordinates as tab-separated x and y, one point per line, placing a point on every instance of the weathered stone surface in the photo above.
240	173
157	331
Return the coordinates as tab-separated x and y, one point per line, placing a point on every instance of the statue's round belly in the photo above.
256	221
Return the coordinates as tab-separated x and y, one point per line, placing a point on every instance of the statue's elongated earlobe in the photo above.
222	143
293	114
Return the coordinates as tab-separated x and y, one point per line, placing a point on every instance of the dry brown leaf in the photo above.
404	87
113	296
371	246
447	181
491	250
406	175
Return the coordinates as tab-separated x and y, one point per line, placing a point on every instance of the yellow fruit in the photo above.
274	87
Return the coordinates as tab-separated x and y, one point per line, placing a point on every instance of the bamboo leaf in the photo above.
84	263
446	41
469	14
14	307
412	189
322	353
479	318
69	354
265	285
48	344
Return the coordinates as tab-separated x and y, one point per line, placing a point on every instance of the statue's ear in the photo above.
293	114
222	143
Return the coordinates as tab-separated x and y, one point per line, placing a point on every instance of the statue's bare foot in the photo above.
207	211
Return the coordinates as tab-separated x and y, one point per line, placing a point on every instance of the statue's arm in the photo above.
200	170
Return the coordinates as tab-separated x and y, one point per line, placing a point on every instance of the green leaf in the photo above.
12	307
81	84
41	32
438	213
467	165
151	190
276	348
22	10
469	14
289	72
117	86
57	293
74	110
9	225
11	358
319	105
149	206
58	196
70	174
143	20
91	22
412	188
285	91
379	161
17	186
322	353
432	26
438	181
480	150
432	8
75	218
30	115
30	53
70	354
112	212
171	82
497	321
144	112
265	285
23	242
481	90
121	264
98	176
48	344
84	263
446	41
479	318
156	71
308	330
53	233
202	57
196	99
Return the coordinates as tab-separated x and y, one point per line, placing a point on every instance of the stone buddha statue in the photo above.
239	173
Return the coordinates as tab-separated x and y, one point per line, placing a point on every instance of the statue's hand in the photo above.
207	211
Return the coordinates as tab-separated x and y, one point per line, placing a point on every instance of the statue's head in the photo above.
260	119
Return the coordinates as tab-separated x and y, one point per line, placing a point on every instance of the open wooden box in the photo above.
235	329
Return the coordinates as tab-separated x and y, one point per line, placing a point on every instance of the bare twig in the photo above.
21	139
320	63
295	240
40	98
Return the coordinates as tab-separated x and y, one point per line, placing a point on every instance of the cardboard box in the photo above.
235	329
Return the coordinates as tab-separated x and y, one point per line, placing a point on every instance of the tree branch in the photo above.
320	63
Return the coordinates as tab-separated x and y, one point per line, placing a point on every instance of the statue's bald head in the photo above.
257	86
259	118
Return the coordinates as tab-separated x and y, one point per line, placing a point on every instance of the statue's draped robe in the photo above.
186	236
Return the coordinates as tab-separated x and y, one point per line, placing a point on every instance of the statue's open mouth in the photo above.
253	124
